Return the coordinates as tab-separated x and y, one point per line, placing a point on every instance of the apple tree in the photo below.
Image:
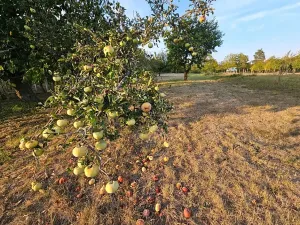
100	90
191	41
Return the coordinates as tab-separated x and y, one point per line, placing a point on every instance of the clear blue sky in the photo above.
273	25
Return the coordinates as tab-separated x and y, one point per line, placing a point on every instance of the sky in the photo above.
248	25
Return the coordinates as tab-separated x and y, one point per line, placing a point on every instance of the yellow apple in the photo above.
79	151
36	186
112	187
156	88
146	107
71	112
92	181
191	49
78	170
157	207
98	135
162	95
78	124
91	171
101	145
143	136
47	133
153	128
194	54
31	144
202	19
122	43
88	89
130	122
62	123
166	159
166	144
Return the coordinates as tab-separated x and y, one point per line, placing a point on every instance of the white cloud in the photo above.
265	13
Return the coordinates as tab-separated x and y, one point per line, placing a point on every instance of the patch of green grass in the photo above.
286	83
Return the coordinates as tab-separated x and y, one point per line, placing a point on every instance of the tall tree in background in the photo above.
259	55
191	41
210	65
239	61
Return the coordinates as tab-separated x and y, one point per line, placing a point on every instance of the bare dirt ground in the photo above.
237	150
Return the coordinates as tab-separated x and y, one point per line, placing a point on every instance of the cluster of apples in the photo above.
187	45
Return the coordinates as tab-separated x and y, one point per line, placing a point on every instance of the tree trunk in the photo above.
23	90
185	77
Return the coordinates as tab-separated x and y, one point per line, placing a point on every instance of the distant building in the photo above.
232	70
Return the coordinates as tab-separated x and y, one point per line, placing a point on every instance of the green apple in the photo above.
57	129
191	49
130	122
78	124
47	133
56	78
31	144
150	45
38	152
101	145
98	135
176	40
62	123
153	128
91	171
135	41
143	136
88	89
79	151
128	38
112	114
122	43
99	99
187	45
112	187
71	112
108	50
194	54
36	186
78	170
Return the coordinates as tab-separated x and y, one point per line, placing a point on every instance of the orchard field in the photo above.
234	144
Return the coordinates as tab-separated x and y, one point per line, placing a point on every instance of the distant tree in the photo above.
191	42
258	67
259	55
239	61
273	64
210	65
159	63
296	62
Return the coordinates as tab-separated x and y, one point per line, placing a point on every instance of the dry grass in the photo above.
236	149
